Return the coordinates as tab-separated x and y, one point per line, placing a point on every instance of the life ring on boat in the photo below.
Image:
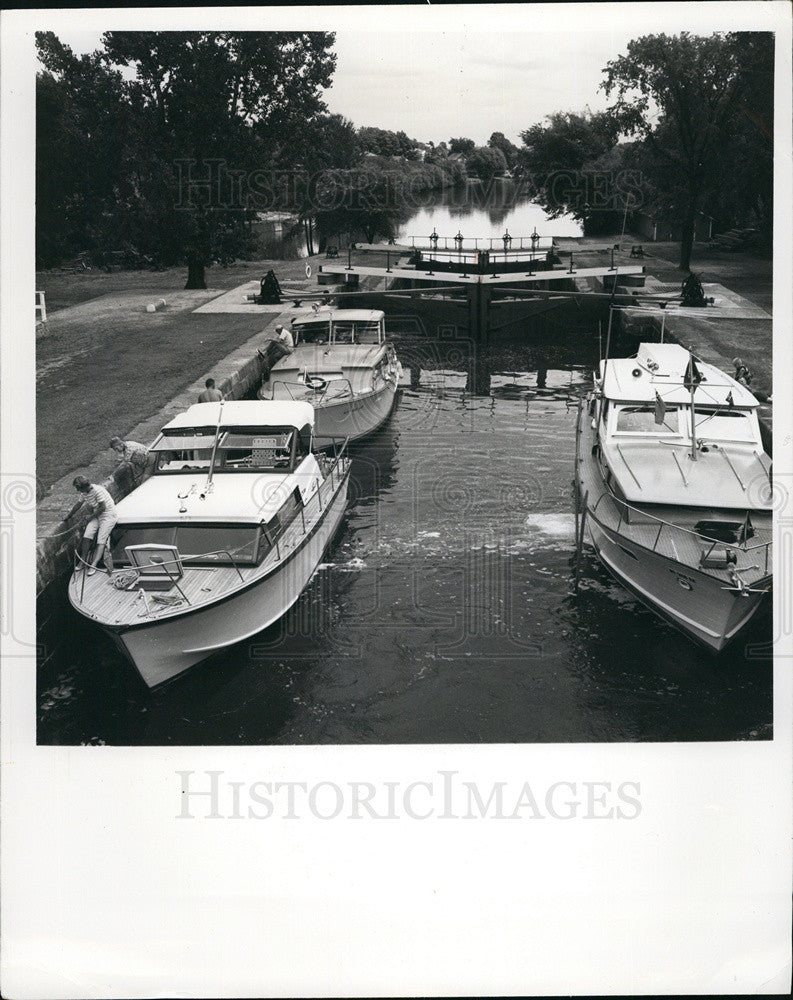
315	382
308	270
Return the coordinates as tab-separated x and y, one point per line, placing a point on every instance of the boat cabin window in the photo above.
368	332
315	332
209	544
183	452
341	331
254	451
642	420
280	521
721	424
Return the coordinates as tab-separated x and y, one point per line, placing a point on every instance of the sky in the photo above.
438	84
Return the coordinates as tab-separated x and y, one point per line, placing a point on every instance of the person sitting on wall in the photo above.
269	289
742	373
210	394
99	527
131	461
282	344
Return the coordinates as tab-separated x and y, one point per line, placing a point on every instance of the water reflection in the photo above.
480	209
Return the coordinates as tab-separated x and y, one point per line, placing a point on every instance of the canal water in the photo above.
444	611
489	210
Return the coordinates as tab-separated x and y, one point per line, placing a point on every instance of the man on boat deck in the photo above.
210	394
100	525
131	460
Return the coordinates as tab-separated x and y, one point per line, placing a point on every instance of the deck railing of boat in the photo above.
330	472
624	509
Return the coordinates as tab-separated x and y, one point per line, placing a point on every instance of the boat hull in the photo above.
694	602
167	648
353	418
707	607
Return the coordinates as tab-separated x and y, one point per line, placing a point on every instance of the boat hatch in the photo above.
731	532
159	566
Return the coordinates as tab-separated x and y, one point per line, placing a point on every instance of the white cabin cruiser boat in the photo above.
674	487
221	540
342	365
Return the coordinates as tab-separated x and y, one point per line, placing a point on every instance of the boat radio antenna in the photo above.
214	452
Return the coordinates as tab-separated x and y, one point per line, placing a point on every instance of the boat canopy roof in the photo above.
333	357
252	413
339	315
660	368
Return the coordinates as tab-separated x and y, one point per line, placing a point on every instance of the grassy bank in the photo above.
104	364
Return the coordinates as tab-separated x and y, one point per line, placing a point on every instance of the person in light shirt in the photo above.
284	338
99	527
131	460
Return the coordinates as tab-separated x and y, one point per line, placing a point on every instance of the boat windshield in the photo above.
254	451
644	420
266	449
314	332
208	543
722	424
356	332
343	331
712	422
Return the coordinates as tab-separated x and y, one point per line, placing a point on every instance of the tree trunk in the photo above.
687	235
196	277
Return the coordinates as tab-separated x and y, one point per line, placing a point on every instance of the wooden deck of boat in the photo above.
200	585
666	537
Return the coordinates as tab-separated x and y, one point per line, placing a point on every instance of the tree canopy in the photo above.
690	99
462	146
499	141
204	110
486	162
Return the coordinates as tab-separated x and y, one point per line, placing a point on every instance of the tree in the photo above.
382	142
485	162
681	95
82	121
365	200
499	141
567	141
462	146
213	106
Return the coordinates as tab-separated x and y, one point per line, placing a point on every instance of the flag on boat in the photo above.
660	409
693	376
730	400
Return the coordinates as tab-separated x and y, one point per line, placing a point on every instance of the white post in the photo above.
693	414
